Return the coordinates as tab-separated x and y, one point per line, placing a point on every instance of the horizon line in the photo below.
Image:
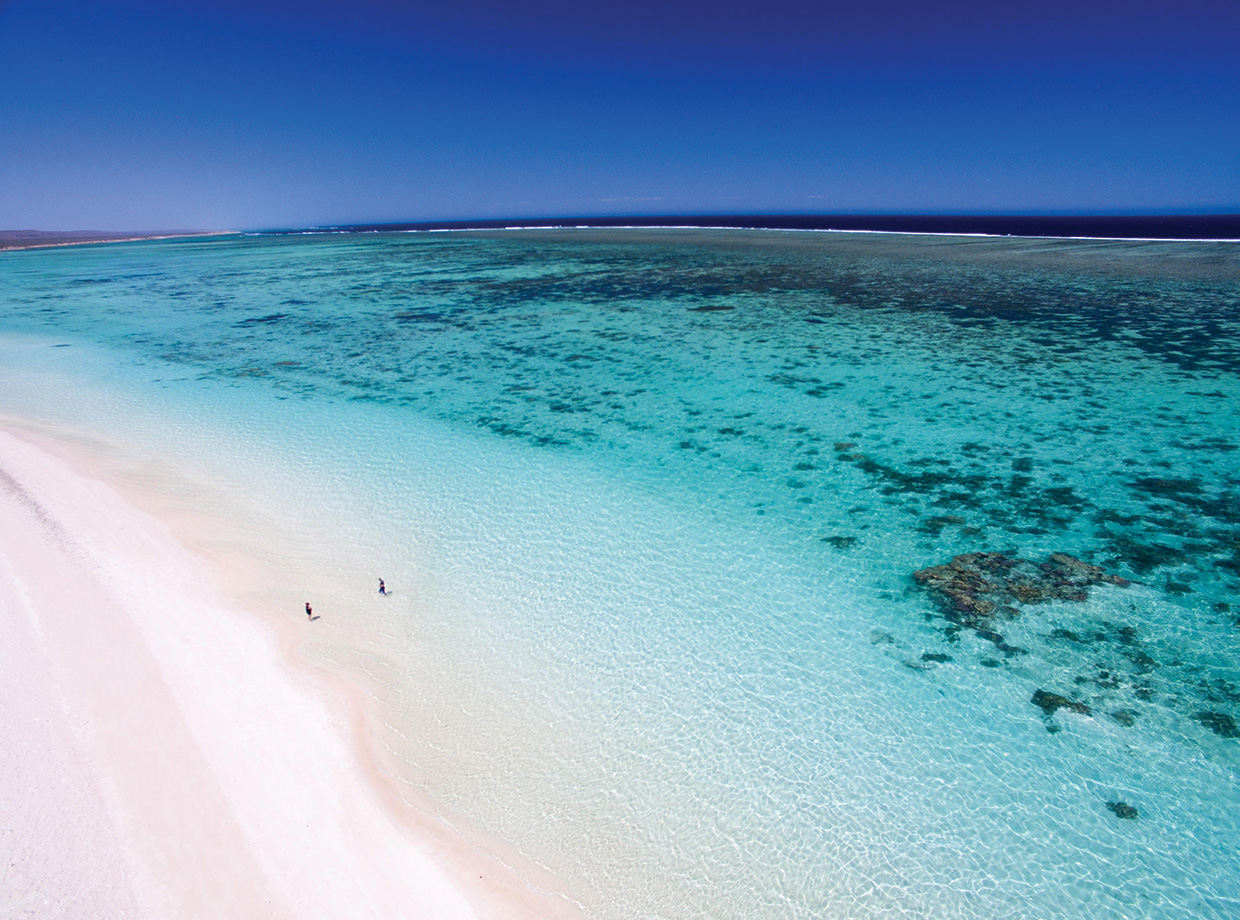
1201	227
1160	226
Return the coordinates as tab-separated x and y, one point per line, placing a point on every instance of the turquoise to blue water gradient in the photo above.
666	491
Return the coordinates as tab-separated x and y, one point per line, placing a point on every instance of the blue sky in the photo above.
230	114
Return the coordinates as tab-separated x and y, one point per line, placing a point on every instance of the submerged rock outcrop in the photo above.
975	589
1051	703
982	591
1122	809
1220	723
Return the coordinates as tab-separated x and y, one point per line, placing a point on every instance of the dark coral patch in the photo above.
263	320
1123	810
1143	558
1051	703
934	525
974	586
1167	487
1219	722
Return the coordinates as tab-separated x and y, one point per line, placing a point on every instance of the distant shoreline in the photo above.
44	239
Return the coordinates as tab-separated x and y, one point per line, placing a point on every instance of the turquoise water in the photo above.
657	498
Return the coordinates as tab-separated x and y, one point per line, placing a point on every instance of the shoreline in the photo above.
88	239
203	740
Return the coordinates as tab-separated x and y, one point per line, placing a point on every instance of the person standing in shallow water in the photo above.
382	588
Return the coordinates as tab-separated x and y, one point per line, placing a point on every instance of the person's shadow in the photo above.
313	618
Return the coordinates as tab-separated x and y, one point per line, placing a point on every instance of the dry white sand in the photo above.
163	757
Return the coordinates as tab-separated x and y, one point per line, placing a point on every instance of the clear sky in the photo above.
274	113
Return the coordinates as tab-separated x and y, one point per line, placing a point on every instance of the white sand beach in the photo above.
167	756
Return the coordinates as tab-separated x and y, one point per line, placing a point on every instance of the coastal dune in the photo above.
163	759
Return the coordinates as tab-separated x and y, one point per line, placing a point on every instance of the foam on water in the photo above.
652	501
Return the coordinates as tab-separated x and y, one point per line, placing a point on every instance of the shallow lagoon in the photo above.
658	497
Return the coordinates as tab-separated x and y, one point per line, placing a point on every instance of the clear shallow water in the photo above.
658	497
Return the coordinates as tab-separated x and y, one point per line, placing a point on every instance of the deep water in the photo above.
666	492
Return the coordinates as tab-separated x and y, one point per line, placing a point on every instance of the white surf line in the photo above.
997	236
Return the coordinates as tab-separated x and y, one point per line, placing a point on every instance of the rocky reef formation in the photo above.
981	591
976	589
1051	703
1220	723
1123	810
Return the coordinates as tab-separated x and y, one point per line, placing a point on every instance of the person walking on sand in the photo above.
382	588
309	612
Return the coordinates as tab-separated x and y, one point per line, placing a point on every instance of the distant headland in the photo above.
37	239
